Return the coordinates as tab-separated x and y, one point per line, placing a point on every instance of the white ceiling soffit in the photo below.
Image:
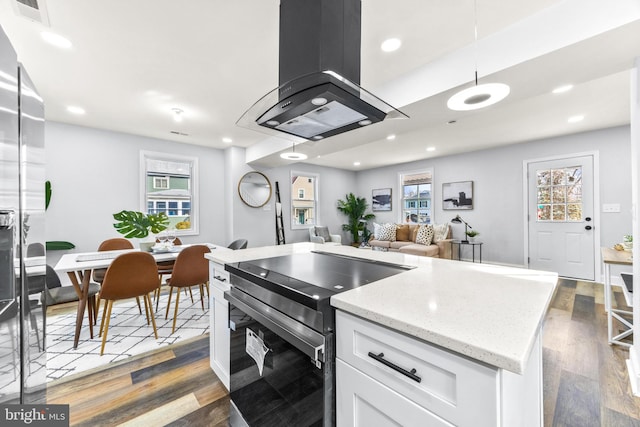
559	27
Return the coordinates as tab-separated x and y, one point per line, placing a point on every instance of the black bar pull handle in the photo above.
380	358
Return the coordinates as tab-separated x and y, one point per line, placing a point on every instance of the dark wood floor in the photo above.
585	380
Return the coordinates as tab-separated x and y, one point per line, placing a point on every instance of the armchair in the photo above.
321	235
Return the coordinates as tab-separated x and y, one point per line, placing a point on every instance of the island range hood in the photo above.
319	93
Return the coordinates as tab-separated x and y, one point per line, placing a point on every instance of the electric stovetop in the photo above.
314	275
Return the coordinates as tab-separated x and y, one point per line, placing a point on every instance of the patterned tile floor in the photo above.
128	335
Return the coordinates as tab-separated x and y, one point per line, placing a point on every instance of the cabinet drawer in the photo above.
218	280
461	391
364	402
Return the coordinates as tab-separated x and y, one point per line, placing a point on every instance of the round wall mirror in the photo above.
254	189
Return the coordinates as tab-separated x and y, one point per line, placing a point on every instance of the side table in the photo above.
473	245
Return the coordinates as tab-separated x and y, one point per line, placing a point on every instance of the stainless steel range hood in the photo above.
319	75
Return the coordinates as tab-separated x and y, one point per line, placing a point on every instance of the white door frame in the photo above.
596	204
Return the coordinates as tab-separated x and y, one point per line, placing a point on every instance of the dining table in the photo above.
79	267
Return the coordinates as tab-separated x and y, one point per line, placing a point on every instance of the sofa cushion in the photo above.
402	232
324	233
399	243
424	235
421	250
379	243
388	232
413	231
440	231
376	230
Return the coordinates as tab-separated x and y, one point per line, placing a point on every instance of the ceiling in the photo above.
132	62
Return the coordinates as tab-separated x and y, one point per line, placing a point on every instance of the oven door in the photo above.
278	373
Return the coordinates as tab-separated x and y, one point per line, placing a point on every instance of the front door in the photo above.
561	226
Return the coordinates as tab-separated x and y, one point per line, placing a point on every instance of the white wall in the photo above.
497	188
95	173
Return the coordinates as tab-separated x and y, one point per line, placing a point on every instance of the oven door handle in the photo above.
302	337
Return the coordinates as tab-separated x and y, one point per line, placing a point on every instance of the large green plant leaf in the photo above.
47	194
56	245
137	224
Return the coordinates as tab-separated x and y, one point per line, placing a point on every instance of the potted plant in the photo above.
472	234
627	242
135	224
354	208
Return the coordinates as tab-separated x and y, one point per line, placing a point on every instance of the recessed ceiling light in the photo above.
479	96
364	122
390	45
75	109
391	137
56	40
356	163
431	148
227	140
273	123
318	137
575	119
562	89
177	114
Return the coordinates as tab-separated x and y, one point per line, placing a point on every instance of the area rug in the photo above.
129	334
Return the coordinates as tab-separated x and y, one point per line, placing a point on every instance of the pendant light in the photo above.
478	96
292	155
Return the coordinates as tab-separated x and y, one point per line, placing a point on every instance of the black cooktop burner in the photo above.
315	275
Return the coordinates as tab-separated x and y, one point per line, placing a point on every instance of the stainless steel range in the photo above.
282	335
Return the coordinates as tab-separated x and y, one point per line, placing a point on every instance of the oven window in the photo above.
290	390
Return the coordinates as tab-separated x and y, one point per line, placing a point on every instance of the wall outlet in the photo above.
611	207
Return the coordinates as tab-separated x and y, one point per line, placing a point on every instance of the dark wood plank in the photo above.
583	308
184	359
611	418
552	368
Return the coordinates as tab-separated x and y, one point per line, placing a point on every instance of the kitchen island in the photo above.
474	328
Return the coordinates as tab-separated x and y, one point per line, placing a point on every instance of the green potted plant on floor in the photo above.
355	209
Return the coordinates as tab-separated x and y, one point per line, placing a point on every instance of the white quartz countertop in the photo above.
486	312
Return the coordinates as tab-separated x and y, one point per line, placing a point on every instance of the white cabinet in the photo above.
384	377
219	320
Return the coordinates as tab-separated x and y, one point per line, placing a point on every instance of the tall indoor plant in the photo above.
355	209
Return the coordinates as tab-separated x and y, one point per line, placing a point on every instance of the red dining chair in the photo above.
191	268
130	275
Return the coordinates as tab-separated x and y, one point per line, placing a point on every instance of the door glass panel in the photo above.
544	212
559	212
559	194
544	195
544	177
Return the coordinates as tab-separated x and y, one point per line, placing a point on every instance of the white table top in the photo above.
69	262
486	312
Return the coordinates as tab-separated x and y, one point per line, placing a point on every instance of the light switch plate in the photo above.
611	207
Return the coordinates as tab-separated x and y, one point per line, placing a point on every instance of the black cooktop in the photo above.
316	275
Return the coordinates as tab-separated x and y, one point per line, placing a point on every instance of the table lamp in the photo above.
458	220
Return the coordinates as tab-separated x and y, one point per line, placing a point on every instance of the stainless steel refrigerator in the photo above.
22	234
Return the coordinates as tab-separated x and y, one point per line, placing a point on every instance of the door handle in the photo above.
588	227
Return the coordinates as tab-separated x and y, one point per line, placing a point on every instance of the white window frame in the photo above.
316	186
400	193
195	214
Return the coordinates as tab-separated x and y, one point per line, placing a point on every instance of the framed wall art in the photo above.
381	199
457	195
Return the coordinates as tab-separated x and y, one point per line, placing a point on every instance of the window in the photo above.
416	191
304	200
169	185
160	183
559	194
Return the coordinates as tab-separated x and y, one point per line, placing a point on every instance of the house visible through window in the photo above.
304	199
169	186
416	197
